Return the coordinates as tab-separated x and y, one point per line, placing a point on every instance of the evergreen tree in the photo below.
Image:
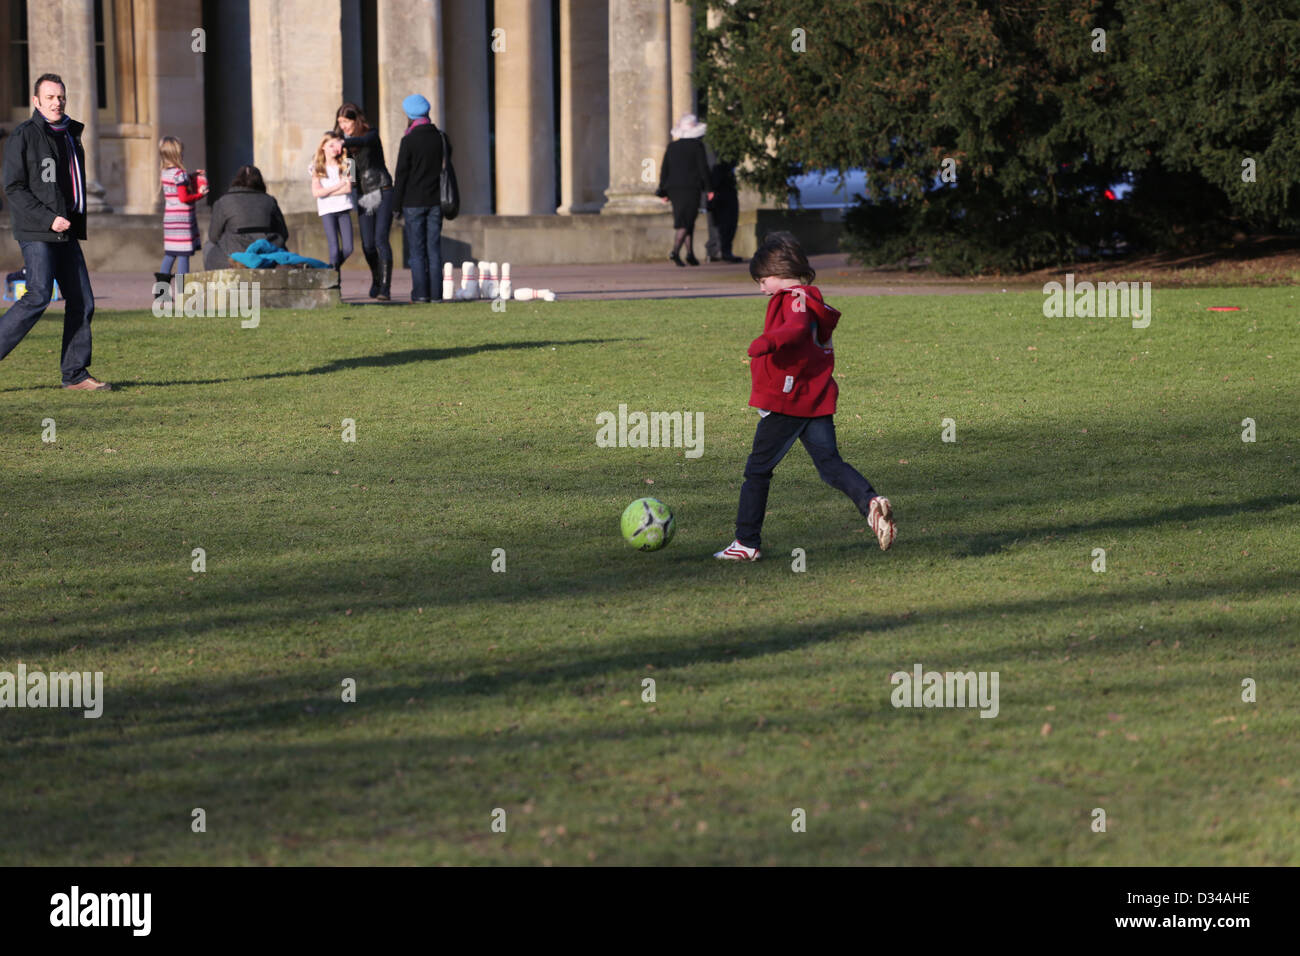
990	130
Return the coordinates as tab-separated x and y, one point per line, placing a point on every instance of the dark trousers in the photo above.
424	249
724	218
773	438
375	227
46	262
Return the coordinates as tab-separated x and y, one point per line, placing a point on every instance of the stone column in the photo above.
639	104
682	59
175	86
296	55
410	61
584	105
61	39
465	48
525	110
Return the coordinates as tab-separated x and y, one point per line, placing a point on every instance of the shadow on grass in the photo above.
251	752
433	567
384	360
981	545
182	708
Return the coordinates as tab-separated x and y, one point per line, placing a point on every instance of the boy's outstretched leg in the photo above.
819	439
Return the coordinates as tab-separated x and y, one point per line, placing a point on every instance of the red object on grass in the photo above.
1109	194
1224	308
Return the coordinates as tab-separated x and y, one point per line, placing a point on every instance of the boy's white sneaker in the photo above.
738	552
880	515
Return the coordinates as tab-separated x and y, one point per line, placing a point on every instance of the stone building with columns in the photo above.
555	109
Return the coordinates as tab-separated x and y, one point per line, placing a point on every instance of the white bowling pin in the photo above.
448	283
503	290
468	284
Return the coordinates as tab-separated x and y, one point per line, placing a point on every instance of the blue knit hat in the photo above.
415	106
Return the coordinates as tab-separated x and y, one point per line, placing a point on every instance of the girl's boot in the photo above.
163	278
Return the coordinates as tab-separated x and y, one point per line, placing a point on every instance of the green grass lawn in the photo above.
522	690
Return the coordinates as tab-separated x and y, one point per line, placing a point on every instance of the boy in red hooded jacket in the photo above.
795	395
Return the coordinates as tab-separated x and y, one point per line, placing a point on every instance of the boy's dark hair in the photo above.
249	177
780	255
47	78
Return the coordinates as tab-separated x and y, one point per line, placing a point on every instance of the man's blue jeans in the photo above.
424	249
45	262
774	437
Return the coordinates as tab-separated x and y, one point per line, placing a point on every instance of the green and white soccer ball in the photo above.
648	524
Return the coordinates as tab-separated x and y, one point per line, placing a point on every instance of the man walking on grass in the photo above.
45	183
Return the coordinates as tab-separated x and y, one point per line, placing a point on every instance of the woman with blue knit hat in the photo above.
417	195
372	195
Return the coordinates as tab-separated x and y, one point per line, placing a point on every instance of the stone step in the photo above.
280	288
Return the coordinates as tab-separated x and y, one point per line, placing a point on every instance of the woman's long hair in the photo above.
352	112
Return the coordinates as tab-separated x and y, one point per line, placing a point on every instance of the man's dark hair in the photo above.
780	255
249	177
47	78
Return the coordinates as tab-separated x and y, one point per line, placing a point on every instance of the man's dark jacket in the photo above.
418	177
34	202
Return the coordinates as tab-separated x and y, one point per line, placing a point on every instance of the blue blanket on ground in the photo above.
267	255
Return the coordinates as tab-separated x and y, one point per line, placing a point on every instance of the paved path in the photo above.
640	280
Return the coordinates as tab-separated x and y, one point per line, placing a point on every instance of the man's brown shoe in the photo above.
91	385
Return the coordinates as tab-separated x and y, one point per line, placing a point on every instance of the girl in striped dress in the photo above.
180	223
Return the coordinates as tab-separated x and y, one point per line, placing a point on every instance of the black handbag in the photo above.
449	191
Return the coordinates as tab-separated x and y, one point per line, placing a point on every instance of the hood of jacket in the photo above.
826	316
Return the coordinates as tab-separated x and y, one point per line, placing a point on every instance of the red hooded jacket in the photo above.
793	358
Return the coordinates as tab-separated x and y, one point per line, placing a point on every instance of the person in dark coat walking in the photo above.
417	193
45	180
683	175
724	209
244	214
372	196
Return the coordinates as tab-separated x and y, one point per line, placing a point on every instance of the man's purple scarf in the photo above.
418	121
74	168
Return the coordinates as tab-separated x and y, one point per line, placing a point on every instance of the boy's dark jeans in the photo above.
775	436
46	262
424	250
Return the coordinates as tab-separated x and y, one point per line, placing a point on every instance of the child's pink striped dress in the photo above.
180	222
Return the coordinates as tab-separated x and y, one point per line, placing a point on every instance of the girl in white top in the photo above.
331	184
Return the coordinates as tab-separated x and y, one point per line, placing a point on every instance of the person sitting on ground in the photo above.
242	216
